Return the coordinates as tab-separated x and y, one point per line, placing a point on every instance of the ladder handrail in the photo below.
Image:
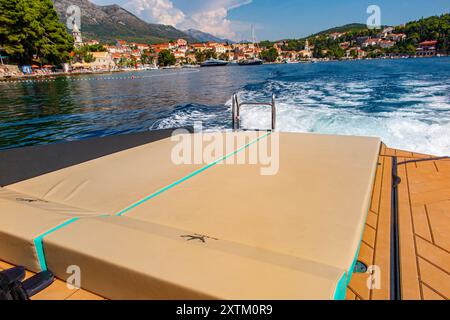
236	110
255	104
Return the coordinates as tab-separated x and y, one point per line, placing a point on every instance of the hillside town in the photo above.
137	55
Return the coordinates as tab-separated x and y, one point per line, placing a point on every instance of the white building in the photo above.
103	61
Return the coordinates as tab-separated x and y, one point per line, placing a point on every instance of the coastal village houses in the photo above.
427	48
185	52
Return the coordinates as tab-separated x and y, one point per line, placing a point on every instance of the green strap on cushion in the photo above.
40	247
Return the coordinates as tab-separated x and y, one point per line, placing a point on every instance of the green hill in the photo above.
431	28
344	28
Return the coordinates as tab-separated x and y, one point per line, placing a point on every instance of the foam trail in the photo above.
416	120
407	114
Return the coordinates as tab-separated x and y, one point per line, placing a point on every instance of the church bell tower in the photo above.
76	33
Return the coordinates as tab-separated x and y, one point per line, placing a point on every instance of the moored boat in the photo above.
250	62
214	63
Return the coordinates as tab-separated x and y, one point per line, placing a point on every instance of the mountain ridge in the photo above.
205	37
111	22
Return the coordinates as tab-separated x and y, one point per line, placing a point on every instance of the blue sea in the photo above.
405	102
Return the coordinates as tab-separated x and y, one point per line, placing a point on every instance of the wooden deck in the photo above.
58	290
424	228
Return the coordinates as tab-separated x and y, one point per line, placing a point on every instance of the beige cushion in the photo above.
111	183
315	207
130	259
22	219
292	235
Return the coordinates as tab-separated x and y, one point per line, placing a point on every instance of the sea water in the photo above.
404	102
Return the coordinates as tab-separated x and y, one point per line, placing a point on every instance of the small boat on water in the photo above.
190	66
214	63
171	67
152	67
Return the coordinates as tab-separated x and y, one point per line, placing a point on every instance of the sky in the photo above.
274	19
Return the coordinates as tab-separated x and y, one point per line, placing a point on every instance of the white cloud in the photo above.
213	21
208	16
159	11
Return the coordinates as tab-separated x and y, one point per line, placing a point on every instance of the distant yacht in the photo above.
214	63
253	61
250	62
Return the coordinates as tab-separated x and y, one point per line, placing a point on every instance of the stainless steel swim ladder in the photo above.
236	110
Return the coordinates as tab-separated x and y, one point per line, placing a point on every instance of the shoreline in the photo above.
34	77
37	77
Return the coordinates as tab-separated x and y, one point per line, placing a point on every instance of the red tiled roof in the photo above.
428	43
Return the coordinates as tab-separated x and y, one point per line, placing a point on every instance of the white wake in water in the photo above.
414	115
420	123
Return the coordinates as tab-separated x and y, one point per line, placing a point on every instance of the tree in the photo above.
335	52
89	57
199	57
134	62
223	56
294	45
84	53
166	58
95	48
270	55
147	57
123	62
202	56
432	28
11	32
266	44
30	31
210	54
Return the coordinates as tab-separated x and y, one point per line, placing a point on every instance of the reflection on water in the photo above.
86	106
